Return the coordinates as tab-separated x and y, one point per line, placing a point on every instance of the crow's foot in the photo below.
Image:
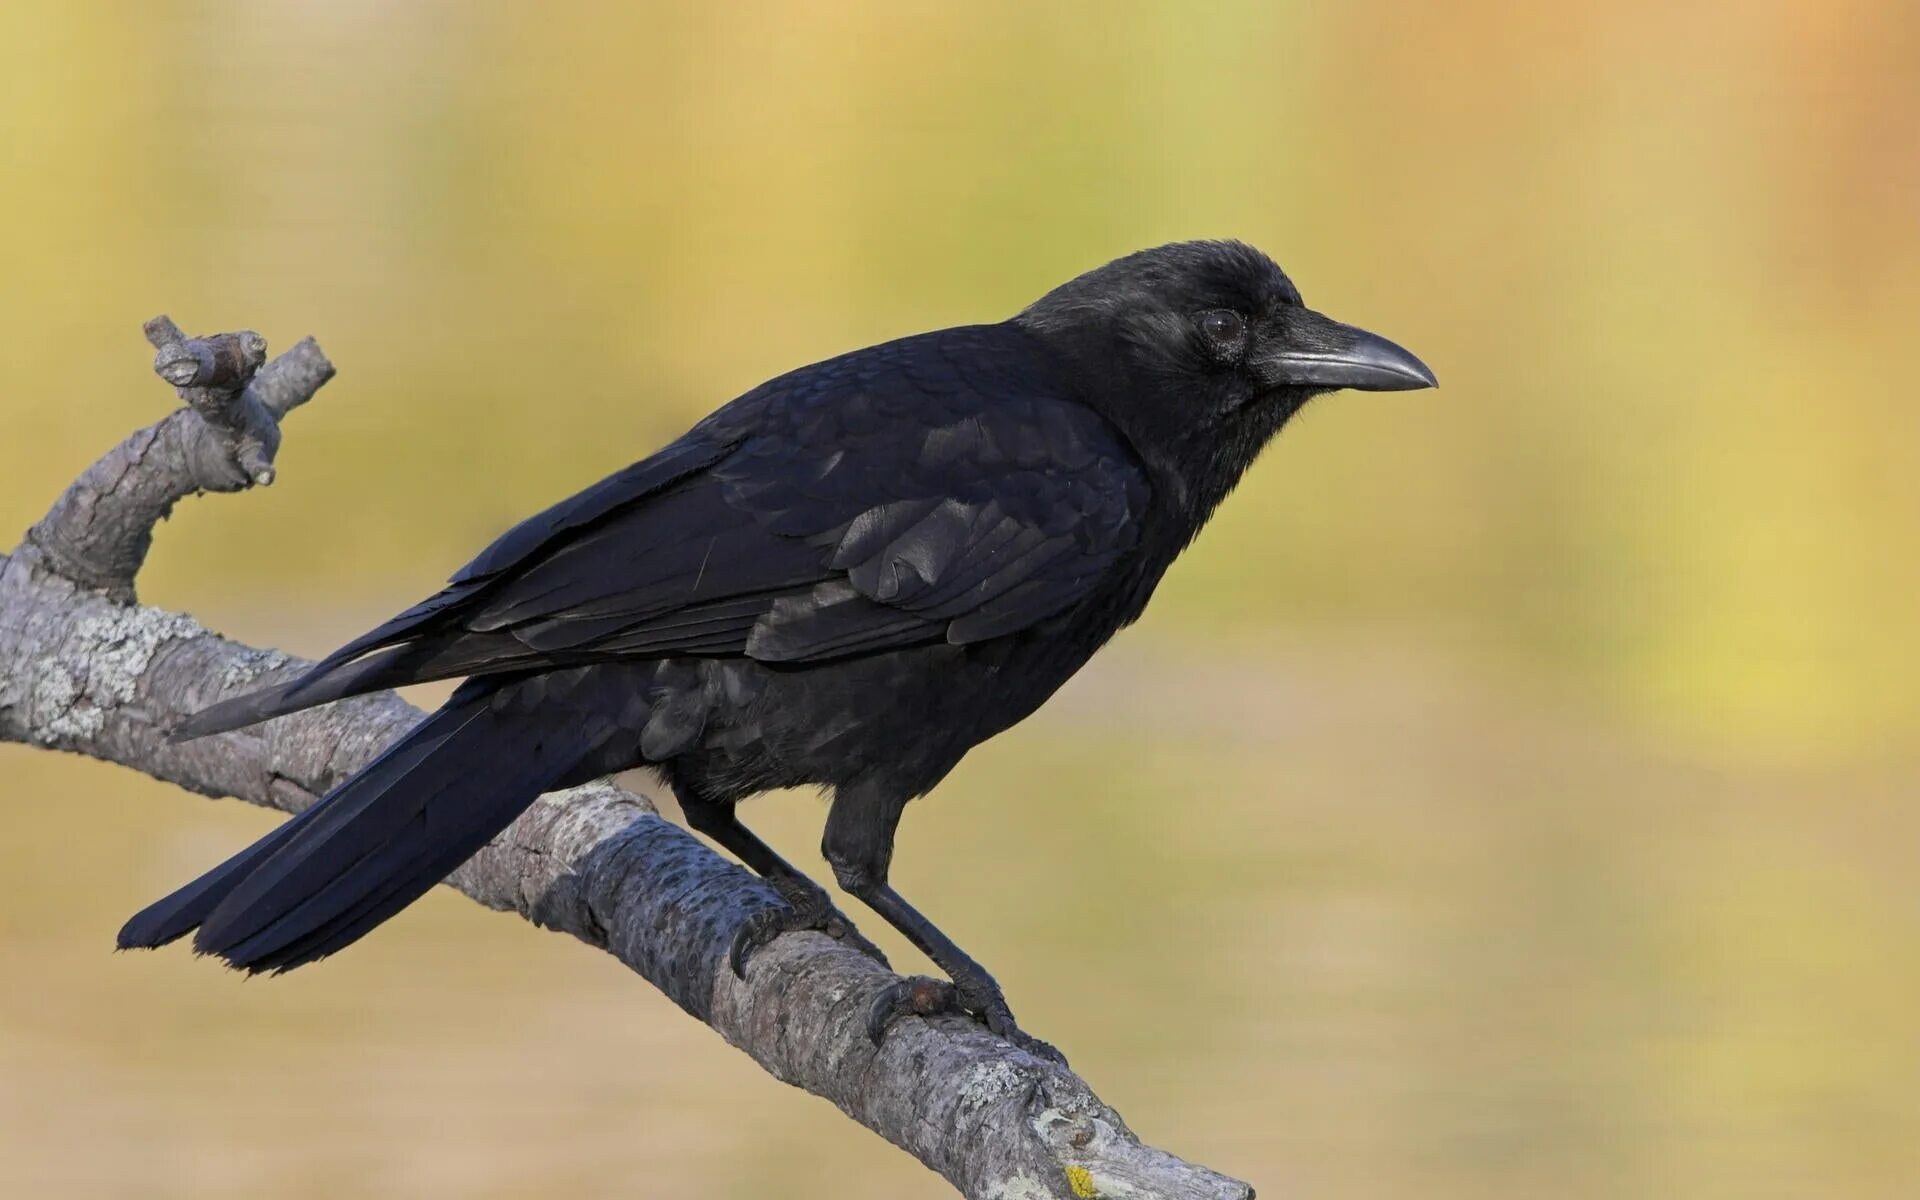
806	907
980	998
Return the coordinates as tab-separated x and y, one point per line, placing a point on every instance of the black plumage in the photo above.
847	577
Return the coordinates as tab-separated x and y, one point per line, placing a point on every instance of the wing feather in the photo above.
940	488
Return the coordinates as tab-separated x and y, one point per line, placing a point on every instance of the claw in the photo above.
914	996
760	927
1045	1051
919	996
764	925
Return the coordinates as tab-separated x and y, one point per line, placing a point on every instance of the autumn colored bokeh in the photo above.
1515	791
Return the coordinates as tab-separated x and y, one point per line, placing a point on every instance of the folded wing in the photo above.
878	500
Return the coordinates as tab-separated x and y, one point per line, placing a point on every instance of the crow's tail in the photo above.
381	839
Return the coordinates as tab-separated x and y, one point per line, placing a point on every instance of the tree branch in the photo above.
99	530
84	669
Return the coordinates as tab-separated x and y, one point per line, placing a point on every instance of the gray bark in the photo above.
85	669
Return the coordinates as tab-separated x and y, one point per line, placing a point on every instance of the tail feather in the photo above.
408	884
384	847
384	837
370	810
177	915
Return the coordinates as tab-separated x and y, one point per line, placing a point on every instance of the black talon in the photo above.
807	905
806	908
920	996
914	996
760	927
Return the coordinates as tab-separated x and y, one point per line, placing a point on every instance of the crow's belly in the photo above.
899	720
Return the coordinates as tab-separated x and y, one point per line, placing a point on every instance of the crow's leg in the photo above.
807	904
859	845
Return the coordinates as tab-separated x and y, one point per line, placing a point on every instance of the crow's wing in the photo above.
940	488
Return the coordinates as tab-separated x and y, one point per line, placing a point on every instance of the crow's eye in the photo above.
1223	328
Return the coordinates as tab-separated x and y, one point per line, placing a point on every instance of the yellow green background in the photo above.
1513	793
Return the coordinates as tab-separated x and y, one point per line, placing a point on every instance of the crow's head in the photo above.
1200	351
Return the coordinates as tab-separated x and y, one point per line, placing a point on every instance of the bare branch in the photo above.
100	529
83	669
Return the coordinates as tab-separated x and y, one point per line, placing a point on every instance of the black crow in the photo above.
846	578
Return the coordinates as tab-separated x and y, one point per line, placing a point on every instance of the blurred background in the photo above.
1515	791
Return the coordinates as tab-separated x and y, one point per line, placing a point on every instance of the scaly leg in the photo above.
807	904
859	845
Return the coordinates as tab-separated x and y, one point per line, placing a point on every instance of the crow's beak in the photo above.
1310	350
